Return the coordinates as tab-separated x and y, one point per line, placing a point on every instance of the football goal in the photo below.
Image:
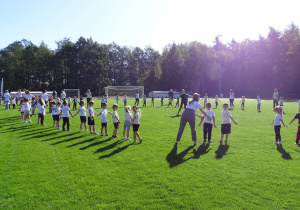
129	91
72	92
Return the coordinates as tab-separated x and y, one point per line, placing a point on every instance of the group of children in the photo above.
61	110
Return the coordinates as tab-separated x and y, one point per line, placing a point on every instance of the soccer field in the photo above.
45	168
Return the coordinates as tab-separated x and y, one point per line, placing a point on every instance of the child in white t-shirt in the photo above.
125	100
116	120
277	124
52	106
13	101
243	103
21	109
170	101
217	101
91	120
207	126
41	111
145	100
258	103
226	124
136	123
127	122
82	112
104	119
27	111
65	111
57	114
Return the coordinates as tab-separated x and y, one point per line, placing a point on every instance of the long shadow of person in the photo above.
222	149
175	159
120	149
202	150
284	154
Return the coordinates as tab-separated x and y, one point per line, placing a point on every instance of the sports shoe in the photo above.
29	121
275	142
25	121
58	128
101	134
221	142
141	140
116	137
210	142
86	130
91	132
80	131
128	139
204	141
43	125
124	138
96	133
296	143
106	134
279	142
69	130
226	141
63	130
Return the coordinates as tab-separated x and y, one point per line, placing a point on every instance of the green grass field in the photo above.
45	168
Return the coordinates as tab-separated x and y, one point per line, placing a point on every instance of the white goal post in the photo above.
72	92
129	91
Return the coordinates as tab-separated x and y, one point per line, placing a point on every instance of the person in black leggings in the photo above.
184	100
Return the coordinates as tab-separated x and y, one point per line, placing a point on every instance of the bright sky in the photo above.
143	22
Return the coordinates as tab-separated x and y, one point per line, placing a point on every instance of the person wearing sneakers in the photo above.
116	120
91	121
207	126
297	116
136	123
65	111
27	111
82	112
226	124
127	122
104	120
277	124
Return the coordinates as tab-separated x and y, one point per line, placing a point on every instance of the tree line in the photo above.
250	67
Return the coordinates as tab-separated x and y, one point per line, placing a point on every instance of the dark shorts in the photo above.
135	127
226	128
83	119
40	115
104	125
91	121
116	125
53	116
56	117
217	103
22	112
231	100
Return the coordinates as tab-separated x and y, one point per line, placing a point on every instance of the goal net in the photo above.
129	91
72	92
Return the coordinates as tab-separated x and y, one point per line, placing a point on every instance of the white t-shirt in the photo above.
26	107
137	118
277	120
281	102
216	99
22	107
137	95
39	106
53	110
88	95
211	114
128	116
6	96
194	105
104	116
243	100
65	111
258	101
43	110
19	94
44	96
58	110
231	95
63	95
13	101
28	96
115	114
125	99
205	98
91	112
82	111
225	116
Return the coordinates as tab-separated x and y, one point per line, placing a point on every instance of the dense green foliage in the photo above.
250	67
42	168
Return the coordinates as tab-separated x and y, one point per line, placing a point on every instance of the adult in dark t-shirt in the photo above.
297	116
171	94
184	99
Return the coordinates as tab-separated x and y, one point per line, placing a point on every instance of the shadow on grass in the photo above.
96	143
120	149
67	140
82	142
108	147
57	137
284	154
202	150
175	116
175	159
222	149
41	135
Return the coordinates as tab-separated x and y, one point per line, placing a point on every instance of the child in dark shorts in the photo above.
116	120
226	124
